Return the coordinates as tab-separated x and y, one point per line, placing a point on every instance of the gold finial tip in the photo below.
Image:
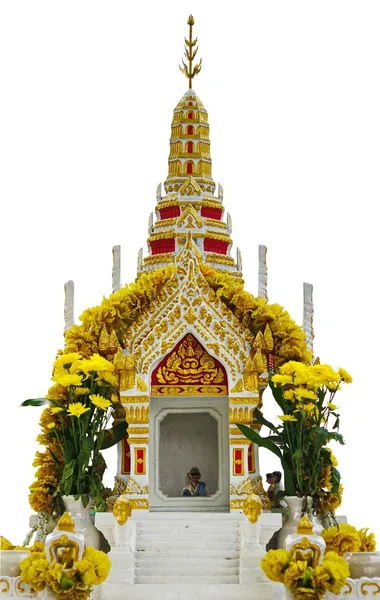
190	20
305	525
66	523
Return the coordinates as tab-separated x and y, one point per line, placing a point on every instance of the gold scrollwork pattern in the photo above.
366	586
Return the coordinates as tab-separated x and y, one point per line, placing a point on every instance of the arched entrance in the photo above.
189	427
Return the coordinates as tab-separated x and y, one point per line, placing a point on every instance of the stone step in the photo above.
177	591
200	525
181	545
178	578
177	561
188	537
185	569
186	552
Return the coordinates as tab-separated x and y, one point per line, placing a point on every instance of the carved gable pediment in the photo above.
190	188
187	304
189	218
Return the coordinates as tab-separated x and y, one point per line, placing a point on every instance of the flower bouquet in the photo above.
71	580
309	421
74	430
305	581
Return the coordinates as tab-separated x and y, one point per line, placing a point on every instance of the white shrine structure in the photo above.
197	372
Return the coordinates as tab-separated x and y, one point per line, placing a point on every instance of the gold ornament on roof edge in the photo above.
305	526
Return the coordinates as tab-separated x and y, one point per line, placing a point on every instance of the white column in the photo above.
116	268
263	271
308	314
69	304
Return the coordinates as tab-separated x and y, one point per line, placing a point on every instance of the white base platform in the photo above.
150	591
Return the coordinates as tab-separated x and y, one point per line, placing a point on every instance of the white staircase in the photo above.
187	551
186	556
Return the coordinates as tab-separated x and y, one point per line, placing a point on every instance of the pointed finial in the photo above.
190	52
66	523
305	525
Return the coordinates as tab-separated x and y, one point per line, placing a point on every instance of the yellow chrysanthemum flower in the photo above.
99	401
294	574
82	391
87	571
34	570
109	378
344	538
101	563
96	363
338	571
274	564
51	426
76	409
289	395
282	380
346	377
367	540
68	379
56	409
303	394
287	418
331	406
65	361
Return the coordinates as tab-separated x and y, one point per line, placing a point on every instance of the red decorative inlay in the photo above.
125	458
251	459
189	167
162	246
189	370
169	212
211	213
216	246
140	461
190	130
238	455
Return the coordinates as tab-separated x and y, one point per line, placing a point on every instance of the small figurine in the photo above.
195	487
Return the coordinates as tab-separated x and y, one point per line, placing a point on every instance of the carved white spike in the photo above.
229	223
69	304
308	314
220	192
139	260
158	192
239	262
116	280
263	271
150	224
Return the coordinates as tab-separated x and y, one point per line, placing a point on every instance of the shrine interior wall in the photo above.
186	441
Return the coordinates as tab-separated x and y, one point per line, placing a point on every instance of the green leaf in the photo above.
114	435
260	441
277	392
35	402
258	415
335	480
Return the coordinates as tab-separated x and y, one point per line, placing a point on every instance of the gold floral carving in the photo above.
237	504
191	364
122	509
252	507
191	217
190	316
134	489
240	442
119	486
245	487
140	504
221	260
125	366
244	400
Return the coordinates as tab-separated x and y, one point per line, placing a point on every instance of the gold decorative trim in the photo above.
234	431
134	399
132	440
237	504
161	236
245	487
215	223
244	400
166	222
370	584
5	582
135	489
218	236
212	203
240	441
220	258
241	415
142	504
136	430
158	258
137	414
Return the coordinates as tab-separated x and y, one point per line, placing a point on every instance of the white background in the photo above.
293	95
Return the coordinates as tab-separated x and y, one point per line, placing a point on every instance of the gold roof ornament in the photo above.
188	70
305	526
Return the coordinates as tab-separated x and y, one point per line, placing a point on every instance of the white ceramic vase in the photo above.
363	564
10	562
296	505
82	519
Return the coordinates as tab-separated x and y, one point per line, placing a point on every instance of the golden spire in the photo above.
189	70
